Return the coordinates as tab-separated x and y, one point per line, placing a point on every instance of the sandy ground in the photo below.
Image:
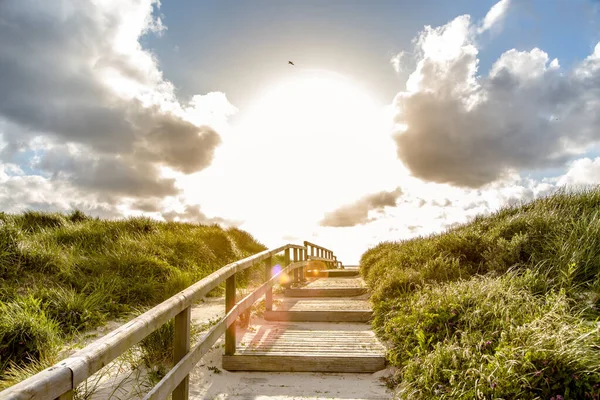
209	381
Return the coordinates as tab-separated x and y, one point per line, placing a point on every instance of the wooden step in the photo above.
330	287
302	348
324	292
319	316
320	310
332	273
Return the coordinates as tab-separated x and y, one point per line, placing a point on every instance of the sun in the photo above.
311	102
306	145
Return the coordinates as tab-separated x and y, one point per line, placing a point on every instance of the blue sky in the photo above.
189	111
236	47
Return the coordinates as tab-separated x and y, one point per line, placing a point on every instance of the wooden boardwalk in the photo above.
320	326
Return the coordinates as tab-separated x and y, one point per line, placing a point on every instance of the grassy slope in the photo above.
62	274
504	307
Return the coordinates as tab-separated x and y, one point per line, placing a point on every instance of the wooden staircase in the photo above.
319	326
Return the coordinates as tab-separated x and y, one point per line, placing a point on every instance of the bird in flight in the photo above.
291	63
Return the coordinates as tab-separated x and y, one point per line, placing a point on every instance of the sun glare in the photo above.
314	101
318	139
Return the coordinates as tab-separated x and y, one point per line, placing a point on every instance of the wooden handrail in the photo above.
323	253
58	381
187	363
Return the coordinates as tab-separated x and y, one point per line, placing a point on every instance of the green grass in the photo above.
65	274
507	306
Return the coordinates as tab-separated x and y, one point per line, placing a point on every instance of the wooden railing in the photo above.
59	381
317	252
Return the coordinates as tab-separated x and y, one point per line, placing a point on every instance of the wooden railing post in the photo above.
229	304
296	271
66	396
287	262
268	274
302	258
181	346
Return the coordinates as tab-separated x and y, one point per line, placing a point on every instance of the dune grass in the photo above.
507	306
64	274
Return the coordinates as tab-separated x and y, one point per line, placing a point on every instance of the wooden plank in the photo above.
303	363
332	273
319	316
229	304
337	282
181	346
323	304
325	292
269	294
296	271
308	348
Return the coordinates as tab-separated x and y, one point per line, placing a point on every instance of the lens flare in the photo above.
284	279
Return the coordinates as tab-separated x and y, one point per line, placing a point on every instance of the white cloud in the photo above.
458	127
584	171
495	16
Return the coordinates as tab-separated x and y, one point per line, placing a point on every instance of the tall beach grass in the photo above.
507	306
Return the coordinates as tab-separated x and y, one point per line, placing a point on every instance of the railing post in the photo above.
181	346
229	304
302	258
296	271
287	262
268	274
66	396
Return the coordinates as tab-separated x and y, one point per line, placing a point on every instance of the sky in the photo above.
397	118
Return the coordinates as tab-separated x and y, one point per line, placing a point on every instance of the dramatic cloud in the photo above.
456	127
358	213
75	74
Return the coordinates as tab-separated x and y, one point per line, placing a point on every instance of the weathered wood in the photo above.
89	360
323	304
332	273
269	293
298	347
181	346
182	369
229	304
184	366
50	383
300	363
325	292
296	271
302	258
66	396
286	262
315	258
319	316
